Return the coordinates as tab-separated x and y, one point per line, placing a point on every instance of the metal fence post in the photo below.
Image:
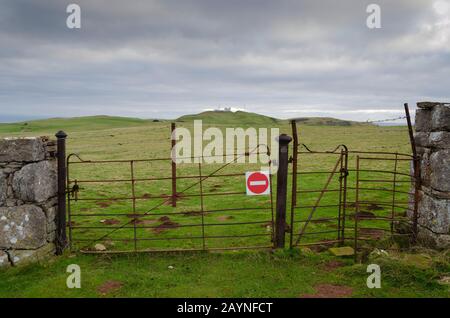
282	174
61	238
417	177
174	166
294	179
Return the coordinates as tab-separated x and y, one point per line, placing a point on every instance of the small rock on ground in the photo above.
342	251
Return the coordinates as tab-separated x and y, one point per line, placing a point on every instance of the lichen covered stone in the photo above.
22	227
22	149
35	182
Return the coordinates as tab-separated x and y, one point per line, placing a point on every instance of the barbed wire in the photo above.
386	120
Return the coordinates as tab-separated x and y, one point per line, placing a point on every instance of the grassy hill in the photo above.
102	122
245	118
71	124
231	118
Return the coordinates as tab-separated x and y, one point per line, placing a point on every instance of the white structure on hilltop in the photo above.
224	109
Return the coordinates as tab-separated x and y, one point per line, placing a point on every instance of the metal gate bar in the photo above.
318	201
73	196
366	181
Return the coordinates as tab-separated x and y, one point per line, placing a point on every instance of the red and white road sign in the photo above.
257	183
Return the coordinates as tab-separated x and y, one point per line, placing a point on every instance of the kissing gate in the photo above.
340	197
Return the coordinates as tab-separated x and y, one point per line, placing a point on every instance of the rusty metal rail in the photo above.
248	226
324	208
340	214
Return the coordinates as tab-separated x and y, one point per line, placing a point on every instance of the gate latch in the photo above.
74	191
344	173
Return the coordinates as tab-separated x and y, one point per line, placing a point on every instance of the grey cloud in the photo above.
165	58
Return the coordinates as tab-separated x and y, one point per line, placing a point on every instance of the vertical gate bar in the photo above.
201	204
394	181
344	201
340	196
356	208
417	175
69	211
61	237
317	203
271	203
294	180
283	162
174	166
133	196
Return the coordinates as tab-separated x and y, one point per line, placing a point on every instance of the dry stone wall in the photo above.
432	139
28	199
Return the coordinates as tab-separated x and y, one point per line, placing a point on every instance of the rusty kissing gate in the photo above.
364	200
141	209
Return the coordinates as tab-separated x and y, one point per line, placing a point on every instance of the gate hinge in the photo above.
291	159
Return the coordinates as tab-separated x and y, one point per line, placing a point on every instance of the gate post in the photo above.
61	238
282	174
174	166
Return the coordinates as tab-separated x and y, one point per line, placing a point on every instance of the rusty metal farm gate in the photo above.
340	197
351	198
144	205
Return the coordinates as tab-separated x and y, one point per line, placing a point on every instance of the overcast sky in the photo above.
162	59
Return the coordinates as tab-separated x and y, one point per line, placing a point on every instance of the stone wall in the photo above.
432	139
28	199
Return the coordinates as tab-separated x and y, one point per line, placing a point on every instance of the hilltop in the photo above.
231	118
246	118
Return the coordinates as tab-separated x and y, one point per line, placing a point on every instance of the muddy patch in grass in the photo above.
166	225
110	222
363	215
330	291
109	287
103	204
215	188
192	213
164	219
133	216
374	207
169	198
224	218
375	234
143	222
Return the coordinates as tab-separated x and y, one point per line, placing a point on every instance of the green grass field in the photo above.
226	274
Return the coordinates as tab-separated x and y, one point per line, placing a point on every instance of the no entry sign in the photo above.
257	183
